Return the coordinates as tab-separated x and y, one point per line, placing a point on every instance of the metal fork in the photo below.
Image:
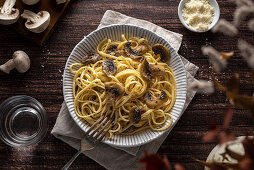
93	136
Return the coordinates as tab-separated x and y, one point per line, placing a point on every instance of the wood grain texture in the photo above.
43	81
56	11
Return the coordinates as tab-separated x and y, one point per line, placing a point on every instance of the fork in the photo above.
92	137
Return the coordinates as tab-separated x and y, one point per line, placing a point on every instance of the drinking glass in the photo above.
23	121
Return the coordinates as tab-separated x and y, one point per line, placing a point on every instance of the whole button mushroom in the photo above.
8	14
30	2
20	61
36	23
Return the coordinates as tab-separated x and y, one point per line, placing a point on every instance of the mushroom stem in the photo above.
30	16
8	66
8	5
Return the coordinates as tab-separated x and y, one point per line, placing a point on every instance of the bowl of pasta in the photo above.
129	74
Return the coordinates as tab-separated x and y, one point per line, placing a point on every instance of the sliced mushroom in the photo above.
30	2
130	52
157	70
8	14
119	53
142	49
145	70
91	59
114	90
135	115
109	67
154	101
36	23
111	49
162	51
148	71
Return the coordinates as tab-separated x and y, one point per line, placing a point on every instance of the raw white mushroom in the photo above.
20	61
30	2
8	14
36	23
60	1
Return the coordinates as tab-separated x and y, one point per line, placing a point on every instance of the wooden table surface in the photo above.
44	81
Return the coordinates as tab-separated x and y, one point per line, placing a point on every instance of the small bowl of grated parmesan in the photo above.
199	15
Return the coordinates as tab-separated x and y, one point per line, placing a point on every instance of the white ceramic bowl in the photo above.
216	17
114	32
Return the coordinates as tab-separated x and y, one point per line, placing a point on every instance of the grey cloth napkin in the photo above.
115	158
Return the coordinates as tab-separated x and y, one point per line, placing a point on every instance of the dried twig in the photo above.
247	51
243	2
251	25
241	13
218	61
202	86
225	27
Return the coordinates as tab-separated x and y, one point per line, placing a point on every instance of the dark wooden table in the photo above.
44	81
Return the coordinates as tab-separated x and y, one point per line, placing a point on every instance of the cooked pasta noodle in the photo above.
91	98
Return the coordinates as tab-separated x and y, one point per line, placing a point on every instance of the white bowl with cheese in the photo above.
199	15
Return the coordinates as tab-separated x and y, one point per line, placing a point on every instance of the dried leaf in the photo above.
234	155
154	162
242	101
227	118
211	134
233	84
167	163
225	27
227	55
248	145
179	167
225	136
217	61
202	86
246	164
218	85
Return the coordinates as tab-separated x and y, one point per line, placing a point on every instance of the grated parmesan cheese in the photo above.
198	14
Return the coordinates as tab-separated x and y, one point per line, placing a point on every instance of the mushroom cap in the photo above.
154	101
145	69
7	19
116	89
30	2
135	115
41	24
162	51
91	59
109	67
21	61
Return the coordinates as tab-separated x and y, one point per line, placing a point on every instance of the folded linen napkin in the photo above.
115	158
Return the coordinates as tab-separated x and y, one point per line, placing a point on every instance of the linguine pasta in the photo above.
127	81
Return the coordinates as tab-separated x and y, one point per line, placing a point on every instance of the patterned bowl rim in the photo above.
183	95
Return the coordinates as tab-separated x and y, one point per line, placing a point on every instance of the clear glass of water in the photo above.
23	121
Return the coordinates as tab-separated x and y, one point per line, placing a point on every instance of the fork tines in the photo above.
99	129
